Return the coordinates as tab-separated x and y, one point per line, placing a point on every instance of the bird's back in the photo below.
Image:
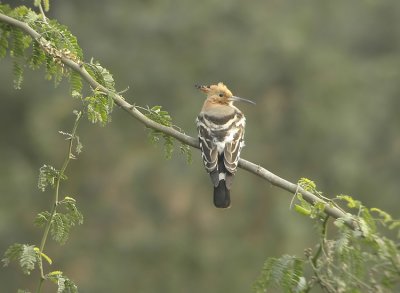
221	131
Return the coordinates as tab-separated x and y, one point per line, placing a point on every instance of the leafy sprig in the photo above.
55	43
57	222
24	254
157	114
352	260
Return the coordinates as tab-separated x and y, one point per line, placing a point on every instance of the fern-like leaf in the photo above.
185	150
46	5
59	228
28	259
162	117
101	75
48	176
62	222
286	272
54	70
4	36
98	108
38	57
12	253
18	71
30	17
42	219
75	81
72	213
24	254
18	44
64	284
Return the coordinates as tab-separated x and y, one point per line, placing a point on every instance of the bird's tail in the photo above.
222	180
222	197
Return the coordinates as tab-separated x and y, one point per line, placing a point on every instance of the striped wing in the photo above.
209	150
233	148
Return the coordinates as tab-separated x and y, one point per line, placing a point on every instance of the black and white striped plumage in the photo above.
221	130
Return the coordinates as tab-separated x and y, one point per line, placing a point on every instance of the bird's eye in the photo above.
221	95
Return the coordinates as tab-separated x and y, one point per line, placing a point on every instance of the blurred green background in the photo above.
325	76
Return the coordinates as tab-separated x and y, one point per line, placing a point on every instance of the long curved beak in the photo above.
237	99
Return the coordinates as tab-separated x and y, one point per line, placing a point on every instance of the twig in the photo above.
322	242
55	203
294	196
183	138
42	12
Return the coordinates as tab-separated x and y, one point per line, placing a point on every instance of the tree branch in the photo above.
193	142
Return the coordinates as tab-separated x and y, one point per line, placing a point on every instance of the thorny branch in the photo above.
256	169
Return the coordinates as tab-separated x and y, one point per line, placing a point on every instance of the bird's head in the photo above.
219	93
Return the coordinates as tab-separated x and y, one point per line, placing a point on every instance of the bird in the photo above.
220	128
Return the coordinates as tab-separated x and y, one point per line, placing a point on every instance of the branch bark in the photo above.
182	137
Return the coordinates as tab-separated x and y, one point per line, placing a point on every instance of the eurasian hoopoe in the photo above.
221	130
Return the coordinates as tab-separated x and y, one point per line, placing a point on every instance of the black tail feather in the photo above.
222	198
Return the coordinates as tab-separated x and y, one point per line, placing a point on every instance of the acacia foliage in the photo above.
55	43
58	221
345	260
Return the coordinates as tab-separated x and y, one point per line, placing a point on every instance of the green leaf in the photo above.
162	117
62	222
75	81
395	224
45	256
46	5
38	57
186	150
343	241
65	285
4	36
285	272
368	223
307	184
301	210
48	176
42	219
100	105
98	109
384	215
12	253
20	42
72	212
18	72
31	17
101	75
24	254
54	71
79	145
28	259
351	203
54	273
317	209
59	228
